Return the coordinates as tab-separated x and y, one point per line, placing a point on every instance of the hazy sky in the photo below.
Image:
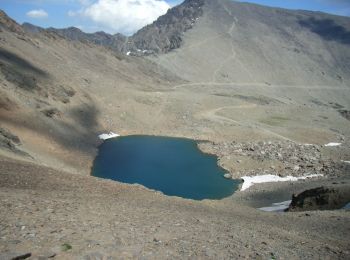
127	16
339	7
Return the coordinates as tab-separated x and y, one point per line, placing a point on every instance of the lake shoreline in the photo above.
179	161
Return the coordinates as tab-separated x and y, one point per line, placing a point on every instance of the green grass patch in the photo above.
275	120
65	247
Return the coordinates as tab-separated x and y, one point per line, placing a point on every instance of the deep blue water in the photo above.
174	166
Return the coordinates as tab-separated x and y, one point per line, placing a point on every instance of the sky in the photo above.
127	16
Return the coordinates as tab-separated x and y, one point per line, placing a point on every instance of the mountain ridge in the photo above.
164	34
235	42
161	36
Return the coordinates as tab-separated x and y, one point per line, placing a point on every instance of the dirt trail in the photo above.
233	53
257	84
213	116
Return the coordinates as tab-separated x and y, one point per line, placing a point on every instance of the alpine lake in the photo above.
173	166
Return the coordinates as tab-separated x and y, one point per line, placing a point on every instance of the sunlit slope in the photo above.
246	43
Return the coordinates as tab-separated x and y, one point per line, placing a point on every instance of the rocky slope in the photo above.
235	42
224	41
7	23
47	87
163	35
51	214
114	42
166	33
321	198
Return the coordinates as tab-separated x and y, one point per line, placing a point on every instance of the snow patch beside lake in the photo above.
251	180
277	207
108	136
332	144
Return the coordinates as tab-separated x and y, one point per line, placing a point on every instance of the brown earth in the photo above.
42	209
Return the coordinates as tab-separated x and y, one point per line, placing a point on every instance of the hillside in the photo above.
246	43
231	42
280	81
55	89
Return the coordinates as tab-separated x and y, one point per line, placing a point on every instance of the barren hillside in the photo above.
246	43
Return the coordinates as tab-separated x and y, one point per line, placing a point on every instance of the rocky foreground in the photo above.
46	213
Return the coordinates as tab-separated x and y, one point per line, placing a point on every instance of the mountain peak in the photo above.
165	34
9	24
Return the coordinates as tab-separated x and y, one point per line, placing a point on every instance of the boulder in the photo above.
321	198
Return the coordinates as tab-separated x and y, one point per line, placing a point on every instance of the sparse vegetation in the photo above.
65	247
275	120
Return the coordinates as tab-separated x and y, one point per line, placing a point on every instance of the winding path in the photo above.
213	116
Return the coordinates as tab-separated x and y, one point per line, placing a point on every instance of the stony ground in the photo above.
282	158
54	214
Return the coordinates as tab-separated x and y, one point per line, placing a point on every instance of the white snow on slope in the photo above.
108	136
251	180
347	206
332	144
277	207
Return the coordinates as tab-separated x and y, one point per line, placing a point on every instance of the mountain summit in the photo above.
7	23
240	42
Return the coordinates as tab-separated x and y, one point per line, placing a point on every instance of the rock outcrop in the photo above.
321	198
10	142
166	33
7	23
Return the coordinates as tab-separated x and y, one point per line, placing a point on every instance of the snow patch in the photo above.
346	162
128	53
277	207
332	144
251	180
108	136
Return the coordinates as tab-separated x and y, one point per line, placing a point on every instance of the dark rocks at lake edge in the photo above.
282	158
321	198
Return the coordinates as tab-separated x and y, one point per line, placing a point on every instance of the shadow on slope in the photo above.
19	71
327	29
77	134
